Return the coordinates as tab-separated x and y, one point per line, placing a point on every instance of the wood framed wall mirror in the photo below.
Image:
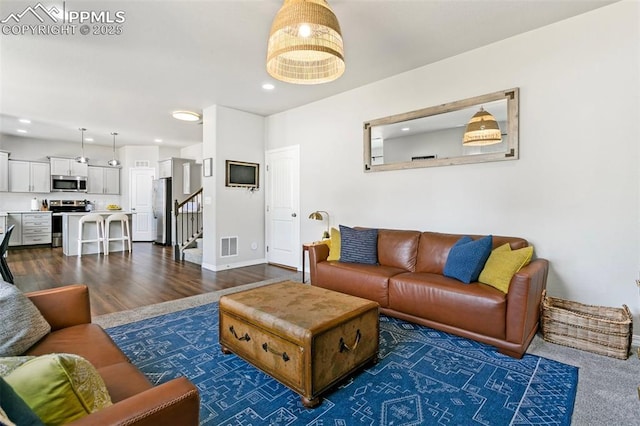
433	136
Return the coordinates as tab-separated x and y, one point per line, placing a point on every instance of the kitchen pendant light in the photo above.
305	43
114	162
482	130
82	159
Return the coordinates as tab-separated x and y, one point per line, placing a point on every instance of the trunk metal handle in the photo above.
346	348
284	355
245	337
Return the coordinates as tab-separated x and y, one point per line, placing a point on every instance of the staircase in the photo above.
188	228
193	254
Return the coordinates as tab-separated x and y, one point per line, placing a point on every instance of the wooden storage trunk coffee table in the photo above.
308	338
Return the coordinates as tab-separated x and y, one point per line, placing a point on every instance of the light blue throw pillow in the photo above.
467	258
358	245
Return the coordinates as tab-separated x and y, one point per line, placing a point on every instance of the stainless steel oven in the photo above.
58	207
68	184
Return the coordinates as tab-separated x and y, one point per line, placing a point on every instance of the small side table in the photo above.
305	248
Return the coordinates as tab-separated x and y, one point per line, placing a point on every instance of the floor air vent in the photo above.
228	246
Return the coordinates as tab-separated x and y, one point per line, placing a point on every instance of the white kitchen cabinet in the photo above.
36	228
15	219
29	176
4	171
40	177
165	168
67	167
30	228
103	180
3	226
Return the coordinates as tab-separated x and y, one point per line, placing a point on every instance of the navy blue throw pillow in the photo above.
467	258
358	245
15	408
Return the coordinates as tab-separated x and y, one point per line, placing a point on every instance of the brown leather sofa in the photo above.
135	400
409	284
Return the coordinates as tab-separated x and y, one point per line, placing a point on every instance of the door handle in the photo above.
293	215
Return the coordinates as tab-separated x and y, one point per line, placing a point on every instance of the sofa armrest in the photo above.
317	253
64	306
176	402
524	299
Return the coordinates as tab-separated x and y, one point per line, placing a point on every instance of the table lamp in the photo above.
317	215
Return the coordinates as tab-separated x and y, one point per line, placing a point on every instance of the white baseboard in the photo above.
216	268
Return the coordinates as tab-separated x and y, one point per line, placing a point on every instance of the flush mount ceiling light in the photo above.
305	43
186	115
114	162
82	159
482	130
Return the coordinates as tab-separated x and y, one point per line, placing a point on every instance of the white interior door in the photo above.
140	200
283	206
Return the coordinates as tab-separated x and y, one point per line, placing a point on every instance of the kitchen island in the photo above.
70	223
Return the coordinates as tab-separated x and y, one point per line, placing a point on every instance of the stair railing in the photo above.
188	223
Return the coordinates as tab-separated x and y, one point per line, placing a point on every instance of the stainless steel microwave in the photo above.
68	184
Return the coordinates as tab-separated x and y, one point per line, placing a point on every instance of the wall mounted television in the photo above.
242	174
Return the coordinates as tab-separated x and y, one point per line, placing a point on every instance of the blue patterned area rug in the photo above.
423	377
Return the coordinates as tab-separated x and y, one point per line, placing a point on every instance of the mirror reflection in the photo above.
473	130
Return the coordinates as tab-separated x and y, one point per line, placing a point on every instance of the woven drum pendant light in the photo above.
481	130
305	43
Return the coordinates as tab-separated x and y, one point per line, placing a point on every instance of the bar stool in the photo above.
124	226
91	218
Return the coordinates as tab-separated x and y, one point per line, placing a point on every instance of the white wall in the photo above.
33	149
130	156
229	134
574	192
192	152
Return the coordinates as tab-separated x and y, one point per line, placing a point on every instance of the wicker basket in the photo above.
597	329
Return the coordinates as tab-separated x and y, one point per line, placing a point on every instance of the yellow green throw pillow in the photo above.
502	265
334	246
59	388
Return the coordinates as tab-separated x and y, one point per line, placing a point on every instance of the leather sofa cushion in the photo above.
89	341
434	247
475	307
123	380
366	281
398	249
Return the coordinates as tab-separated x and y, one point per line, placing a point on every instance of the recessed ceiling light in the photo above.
186	115
157	140
268	86
88	139
25	121
405	129
21	131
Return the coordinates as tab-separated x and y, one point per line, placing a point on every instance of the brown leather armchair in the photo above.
135	400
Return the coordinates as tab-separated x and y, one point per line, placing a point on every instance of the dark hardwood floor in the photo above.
124	281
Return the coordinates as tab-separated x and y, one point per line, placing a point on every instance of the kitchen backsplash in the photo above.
11	201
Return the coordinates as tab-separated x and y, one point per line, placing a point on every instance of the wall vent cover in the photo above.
141	163
228	246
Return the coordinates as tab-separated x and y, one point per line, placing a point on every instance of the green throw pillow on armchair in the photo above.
59	388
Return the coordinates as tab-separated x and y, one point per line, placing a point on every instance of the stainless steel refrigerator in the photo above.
162	210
